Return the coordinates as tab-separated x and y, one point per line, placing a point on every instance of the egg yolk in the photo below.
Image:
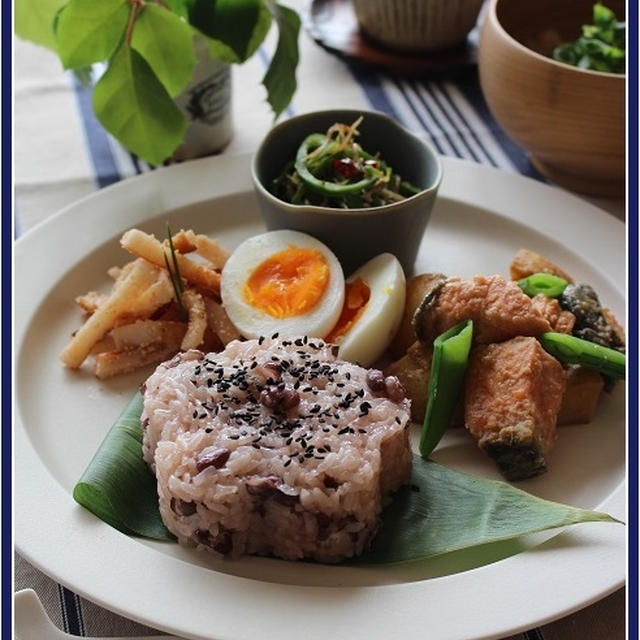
356	297
288	283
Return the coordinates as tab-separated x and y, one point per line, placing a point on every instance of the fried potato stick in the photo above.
140	278
148	247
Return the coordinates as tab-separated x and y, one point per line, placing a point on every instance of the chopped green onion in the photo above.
448	366
572	350
545	283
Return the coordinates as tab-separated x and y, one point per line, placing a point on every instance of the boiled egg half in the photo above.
373	308
284	282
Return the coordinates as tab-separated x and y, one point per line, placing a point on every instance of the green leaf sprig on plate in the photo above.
442	510
149	49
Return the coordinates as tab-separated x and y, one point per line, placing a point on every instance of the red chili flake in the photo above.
346	168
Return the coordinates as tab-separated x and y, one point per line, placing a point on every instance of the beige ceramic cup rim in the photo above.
306	208
493	16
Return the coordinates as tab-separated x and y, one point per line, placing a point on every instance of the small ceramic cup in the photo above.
354	235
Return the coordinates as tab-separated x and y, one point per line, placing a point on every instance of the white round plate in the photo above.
481	219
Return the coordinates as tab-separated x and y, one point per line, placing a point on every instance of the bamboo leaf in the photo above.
117	486
445	510
166	43
34	21
132	105
88	31
442	510
280	79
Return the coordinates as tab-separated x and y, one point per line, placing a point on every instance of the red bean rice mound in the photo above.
273	446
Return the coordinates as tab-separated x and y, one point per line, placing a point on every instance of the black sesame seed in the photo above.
260	339
287	463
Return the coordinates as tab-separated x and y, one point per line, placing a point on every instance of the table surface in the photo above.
61	154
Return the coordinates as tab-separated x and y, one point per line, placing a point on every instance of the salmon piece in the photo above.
498	307
513	395
560	320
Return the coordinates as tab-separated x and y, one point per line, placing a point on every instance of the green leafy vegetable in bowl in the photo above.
333	170
601	46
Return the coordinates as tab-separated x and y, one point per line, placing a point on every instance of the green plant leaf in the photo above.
179	7
445	510
34	21
88	31
166	43
280	79
117	486
133	106
241	25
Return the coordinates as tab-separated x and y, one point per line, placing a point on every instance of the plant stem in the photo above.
135	8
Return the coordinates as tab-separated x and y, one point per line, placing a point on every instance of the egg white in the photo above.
373	331
253	322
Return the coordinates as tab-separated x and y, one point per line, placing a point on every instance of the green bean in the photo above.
545	283
448	366
333	189
572	350
407	189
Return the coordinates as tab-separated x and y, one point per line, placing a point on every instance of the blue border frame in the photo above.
632	365
7	228
7	316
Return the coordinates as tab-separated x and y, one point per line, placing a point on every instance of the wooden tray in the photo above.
333	25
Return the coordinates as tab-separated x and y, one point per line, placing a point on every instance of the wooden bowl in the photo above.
571	120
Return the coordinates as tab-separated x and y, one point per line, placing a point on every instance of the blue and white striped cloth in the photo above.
62	153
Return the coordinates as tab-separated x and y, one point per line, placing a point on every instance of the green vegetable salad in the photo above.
601	46
332	170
